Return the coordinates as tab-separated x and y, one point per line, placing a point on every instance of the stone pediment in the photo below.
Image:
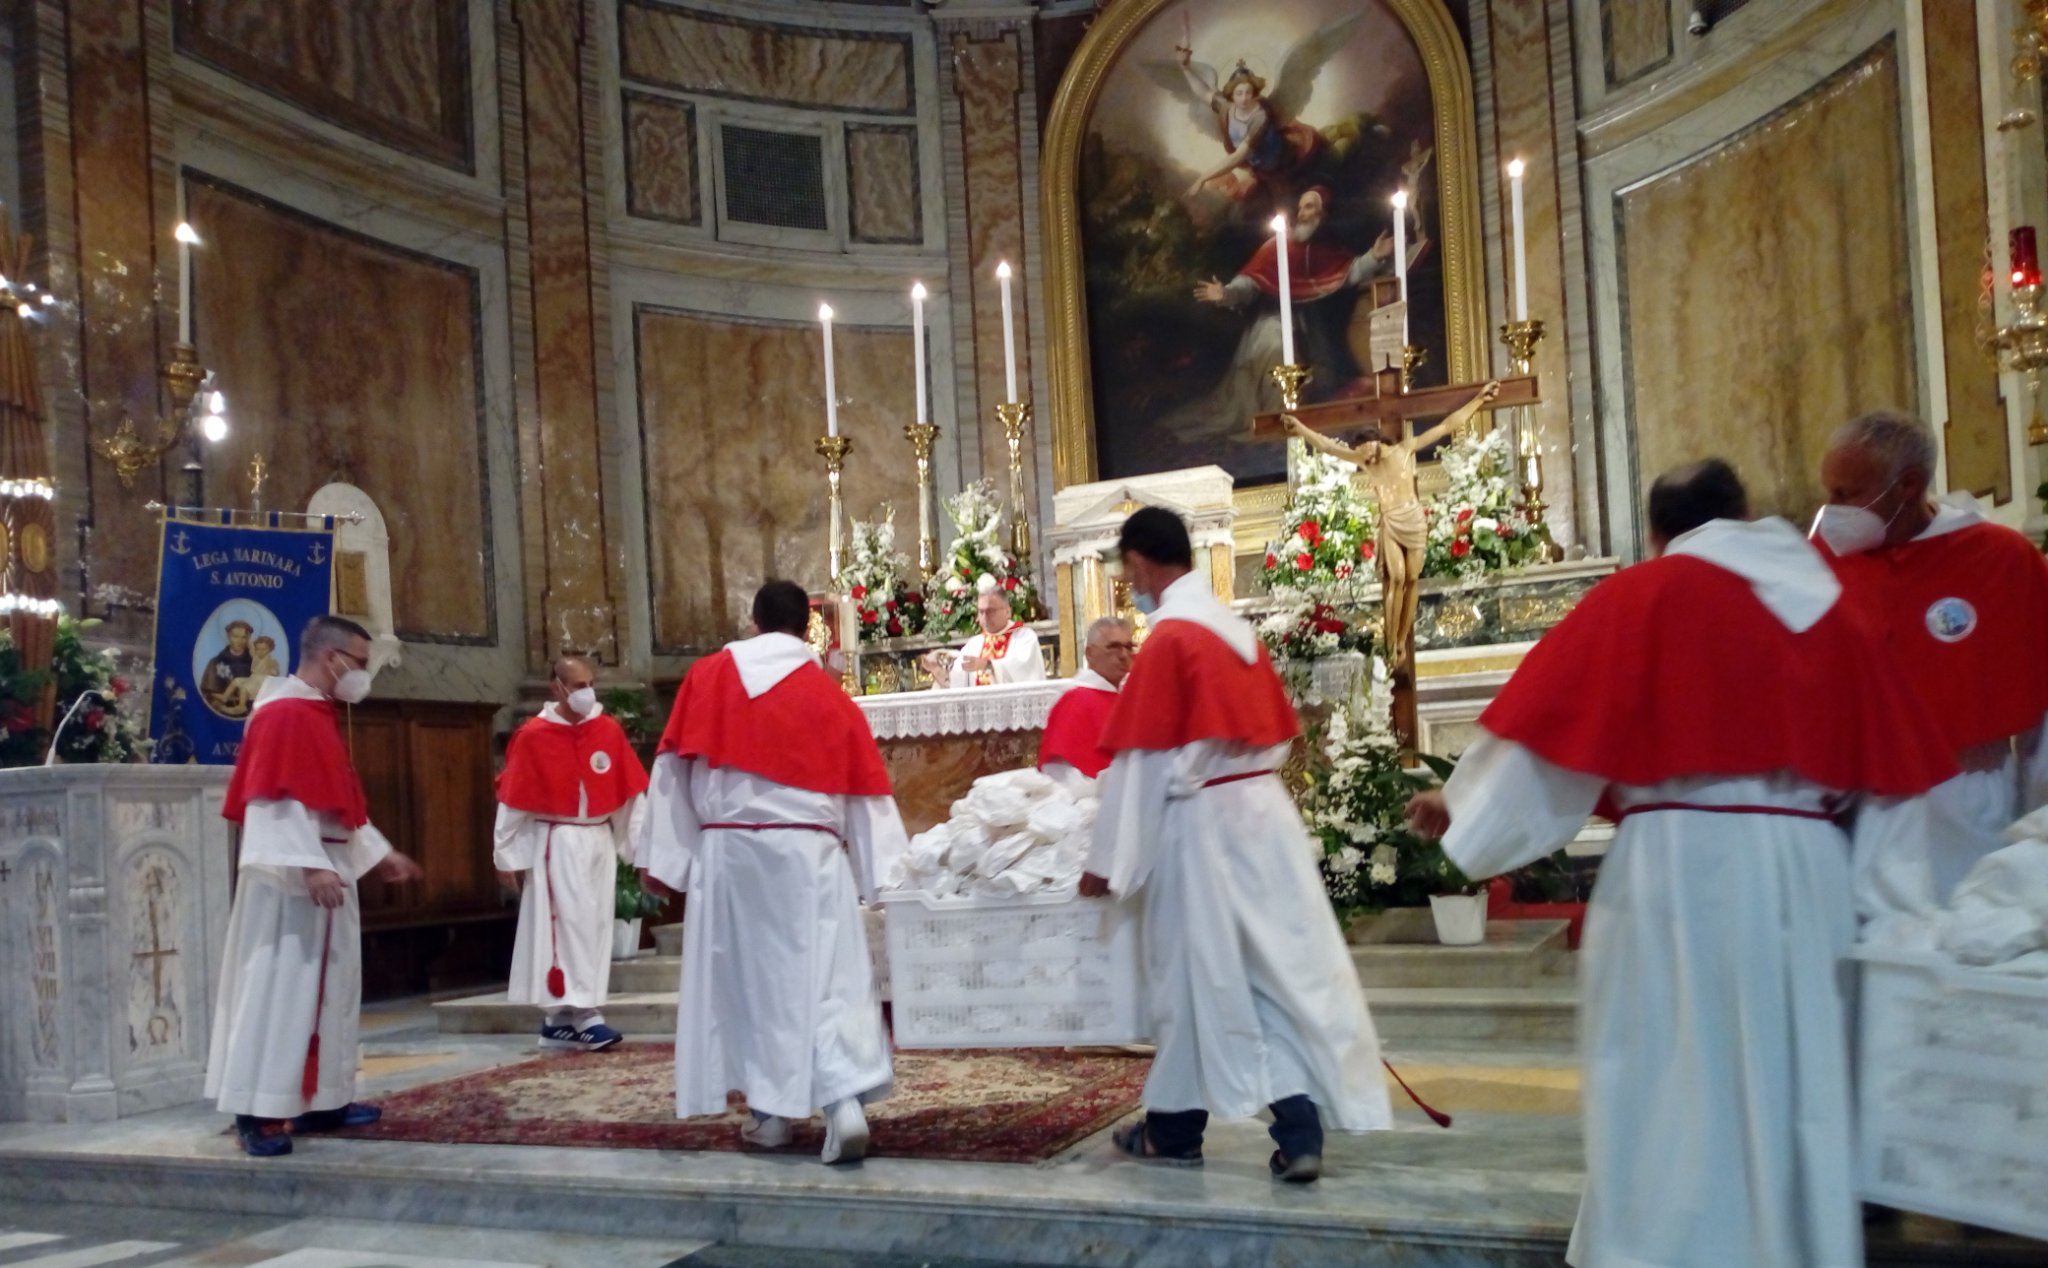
1199	495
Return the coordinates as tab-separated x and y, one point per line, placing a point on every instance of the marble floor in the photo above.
1499	1189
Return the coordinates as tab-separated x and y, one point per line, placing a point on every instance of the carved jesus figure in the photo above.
1389	468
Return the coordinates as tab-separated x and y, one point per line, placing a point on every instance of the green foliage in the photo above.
105	728
630	901
633	709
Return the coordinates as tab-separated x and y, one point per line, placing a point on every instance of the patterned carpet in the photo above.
1012	1105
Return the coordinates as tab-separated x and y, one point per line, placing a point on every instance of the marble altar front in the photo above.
937	743
113	909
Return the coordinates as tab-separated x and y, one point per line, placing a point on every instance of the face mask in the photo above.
1145	603
582	700
353	687
1851	530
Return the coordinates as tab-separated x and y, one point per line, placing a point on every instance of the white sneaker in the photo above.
846	1132
771	1132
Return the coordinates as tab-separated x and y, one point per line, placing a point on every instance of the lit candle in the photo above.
2026	259
831	394
1521	251
1401	257
1009	337
917	343
186	237
1286	294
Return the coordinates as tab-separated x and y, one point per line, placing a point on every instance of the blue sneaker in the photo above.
263	1137
561	1037
570	1039
353	1114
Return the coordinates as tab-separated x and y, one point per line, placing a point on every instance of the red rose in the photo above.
871	616
1464	513
1272	560
895	629
1329	626
1304	561
889	605
860	592
1009	583
1504	530
1461	548
1365	551
120	686
93	718
1311	532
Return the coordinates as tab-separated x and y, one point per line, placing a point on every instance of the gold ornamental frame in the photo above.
1462	242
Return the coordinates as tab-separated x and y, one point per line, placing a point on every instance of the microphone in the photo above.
51	758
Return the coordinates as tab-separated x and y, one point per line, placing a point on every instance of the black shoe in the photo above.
353	1114
1306	1169
263	1137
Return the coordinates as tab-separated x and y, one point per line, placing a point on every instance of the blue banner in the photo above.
230	604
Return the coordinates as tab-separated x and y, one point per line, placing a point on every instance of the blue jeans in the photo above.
1297	1129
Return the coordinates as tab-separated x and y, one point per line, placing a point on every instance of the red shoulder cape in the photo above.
1314	269
548	764
1674	668
803	732
293	751
1073	730
1187	685
1965	618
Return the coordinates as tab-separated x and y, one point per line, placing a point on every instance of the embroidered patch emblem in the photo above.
1951	620
601	762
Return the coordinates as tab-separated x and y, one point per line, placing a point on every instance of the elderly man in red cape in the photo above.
1963	605
1070	751
1255	999
770	806
569	807
291	979
1726	707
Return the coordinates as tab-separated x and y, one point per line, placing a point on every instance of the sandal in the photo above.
1131	1141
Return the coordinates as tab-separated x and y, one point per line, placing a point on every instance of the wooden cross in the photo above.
1386	414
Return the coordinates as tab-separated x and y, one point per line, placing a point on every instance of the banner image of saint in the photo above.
248	645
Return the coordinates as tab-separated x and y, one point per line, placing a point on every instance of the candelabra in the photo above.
1521	338
2022	347
1412	358
131	453
833	449
921	437
1015	414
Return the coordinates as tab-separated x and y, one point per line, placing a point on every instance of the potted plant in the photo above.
631	904
1457	903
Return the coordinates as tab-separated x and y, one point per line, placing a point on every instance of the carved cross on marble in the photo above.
157	953
5	871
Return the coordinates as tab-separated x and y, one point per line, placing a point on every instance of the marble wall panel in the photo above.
988	76
735	493
348	359
1764	288
1978	457
760	61
661	159
882	184
396	71
1635	36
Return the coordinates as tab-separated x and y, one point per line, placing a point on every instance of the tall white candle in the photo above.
831	388
1401	257
186	237
917	344
1286	293
1515	170
1009	336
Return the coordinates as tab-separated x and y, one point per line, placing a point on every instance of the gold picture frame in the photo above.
1073	404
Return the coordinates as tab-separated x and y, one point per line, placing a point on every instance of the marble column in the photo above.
554	175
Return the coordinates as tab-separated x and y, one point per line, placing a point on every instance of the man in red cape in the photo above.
284	1054
1963	605
1070	751
1255	999
769	805
1726	707
569	807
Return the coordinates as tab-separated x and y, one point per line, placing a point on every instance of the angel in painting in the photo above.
1267	149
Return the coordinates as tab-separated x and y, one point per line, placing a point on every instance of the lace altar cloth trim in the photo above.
964	711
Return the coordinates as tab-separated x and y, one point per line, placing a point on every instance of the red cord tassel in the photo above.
309	1083
1436	1116
558	985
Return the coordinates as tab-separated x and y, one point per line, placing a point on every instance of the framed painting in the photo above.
1180	131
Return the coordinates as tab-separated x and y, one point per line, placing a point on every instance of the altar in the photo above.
936	743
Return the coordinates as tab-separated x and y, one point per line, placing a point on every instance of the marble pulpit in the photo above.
113	911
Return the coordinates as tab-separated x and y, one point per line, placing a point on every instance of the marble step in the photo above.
1542	1018
636	1014
668	939
1515	953
646	973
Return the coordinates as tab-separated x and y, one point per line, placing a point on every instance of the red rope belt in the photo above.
771	827
1781	812
1221	780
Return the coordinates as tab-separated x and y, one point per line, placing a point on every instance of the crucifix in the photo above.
1386	457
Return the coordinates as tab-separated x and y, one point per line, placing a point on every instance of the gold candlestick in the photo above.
2022	347
1014	415
921	437
1521	337
833	449
126	448
1412	358
1290	379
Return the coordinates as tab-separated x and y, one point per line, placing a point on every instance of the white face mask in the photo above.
353	687
1851	530
582	700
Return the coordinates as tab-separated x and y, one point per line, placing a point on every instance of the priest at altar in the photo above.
1005	651
1071	749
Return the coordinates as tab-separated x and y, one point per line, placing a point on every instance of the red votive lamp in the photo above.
2026	260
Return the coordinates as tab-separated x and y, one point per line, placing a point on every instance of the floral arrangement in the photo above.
977	552
1325	551
1476	525
888	606
1355	805
106	727
1308	630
